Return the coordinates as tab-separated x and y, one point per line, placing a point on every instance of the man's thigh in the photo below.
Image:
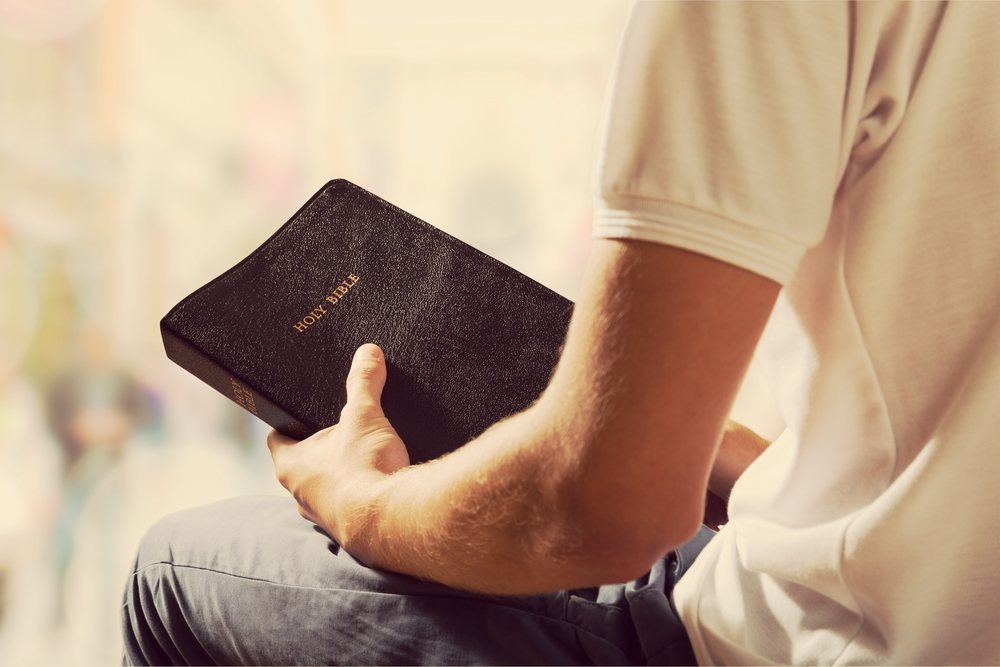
248	581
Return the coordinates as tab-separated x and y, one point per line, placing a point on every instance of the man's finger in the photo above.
366	378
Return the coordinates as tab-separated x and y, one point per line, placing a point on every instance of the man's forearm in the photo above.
498	515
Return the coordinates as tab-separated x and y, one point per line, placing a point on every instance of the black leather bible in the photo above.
468	340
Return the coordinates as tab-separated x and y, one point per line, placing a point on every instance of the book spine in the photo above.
190	358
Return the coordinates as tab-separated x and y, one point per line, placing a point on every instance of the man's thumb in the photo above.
366	378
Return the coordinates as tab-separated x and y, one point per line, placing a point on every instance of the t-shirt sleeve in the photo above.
723	132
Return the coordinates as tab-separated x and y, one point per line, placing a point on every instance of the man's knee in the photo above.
204	536
156	546
177	553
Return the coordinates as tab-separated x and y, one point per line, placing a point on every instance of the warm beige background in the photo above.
146	146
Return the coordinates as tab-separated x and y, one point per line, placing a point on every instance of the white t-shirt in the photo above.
850	152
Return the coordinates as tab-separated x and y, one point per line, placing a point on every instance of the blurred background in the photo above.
146	146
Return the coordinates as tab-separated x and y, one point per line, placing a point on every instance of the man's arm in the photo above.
602	475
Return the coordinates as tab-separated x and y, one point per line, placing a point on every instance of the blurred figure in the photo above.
29	477
151	477
93	408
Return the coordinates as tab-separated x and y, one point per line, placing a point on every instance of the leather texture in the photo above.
468	339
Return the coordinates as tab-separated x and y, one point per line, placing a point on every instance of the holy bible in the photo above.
468	340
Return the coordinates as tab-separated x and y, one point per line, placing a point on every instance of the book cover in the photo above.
468	340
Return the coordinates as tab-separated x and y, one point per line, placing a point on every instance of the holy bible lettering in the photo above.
335	295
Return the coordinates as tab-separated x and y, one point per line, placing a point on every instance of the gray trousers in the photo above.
248	581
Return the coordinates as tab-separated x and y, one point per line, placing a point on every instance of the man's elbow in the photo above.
622	546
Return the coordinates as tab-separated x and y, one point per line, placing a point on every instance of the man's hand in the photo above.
739	448
333	474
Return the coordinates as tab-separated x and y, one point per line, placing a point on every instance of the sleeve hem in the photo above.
759	250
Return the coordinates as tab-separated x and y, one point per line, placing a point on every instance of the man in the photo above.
845	153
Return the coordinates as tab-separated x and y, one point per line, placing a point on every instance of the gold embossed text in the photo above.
330	300
243	396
